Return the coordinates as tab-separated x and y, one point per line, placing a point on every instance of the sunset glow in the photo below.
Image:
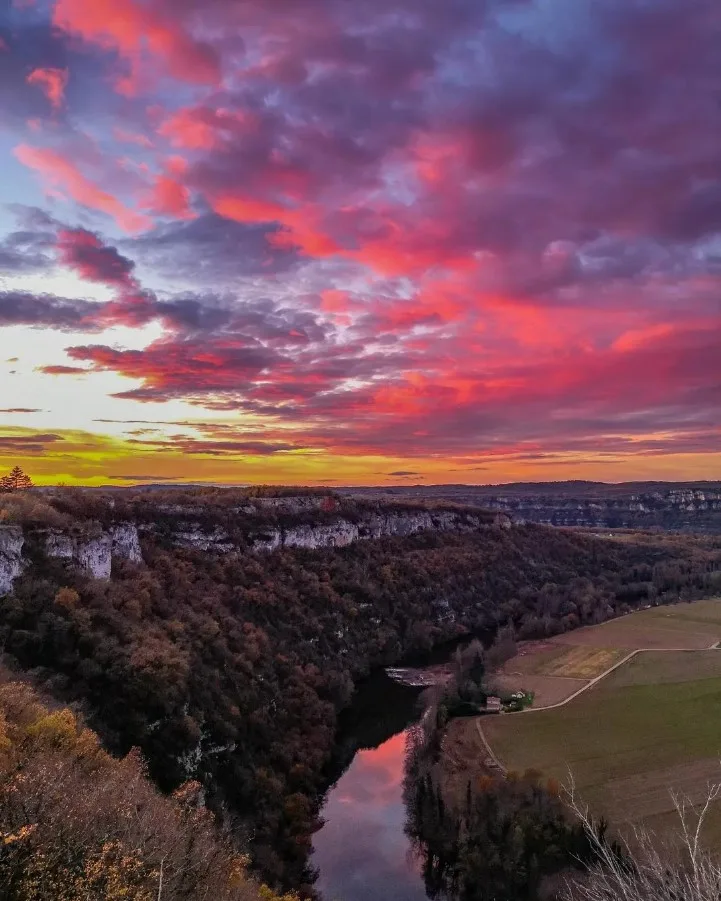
315	241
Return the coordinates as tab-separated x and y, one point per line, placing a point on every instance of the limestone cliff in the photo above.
339	532
93	553
11	560
259	525
692	507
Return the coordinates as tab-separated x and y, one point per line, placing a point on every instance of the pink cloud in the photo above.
206	128
129	27
169	197
52	82
62	174
131	137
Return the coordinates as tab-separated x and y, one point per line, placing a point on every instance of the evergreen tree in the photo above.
16	480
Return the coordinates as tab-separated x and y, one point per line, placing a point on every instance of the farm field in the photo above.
547	689
660	667
648	727
583	662
556	668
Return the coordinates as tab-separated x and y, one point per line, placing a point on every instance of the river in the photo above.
362	852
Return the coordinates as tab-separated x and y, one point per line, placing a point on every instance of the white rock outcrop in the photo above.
95	555
343	532
338	534
270	540
194	536
125	542
11	559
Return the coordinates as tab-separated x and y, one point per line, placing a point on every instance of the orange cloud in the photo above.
63	175
52	82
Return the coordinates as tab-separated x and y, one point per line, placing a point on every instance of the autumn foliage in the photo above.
77	824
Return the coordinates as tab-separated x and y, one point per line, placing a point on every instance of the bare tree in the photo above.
642	868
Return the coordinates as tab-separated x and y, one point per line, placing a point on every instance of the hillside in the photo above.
76	823
228	662
671	506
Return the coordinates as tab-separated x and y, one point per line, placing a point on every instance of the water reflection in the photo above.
362	851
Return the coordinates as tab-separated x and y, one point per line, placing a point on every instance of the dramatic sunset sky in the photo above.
360	241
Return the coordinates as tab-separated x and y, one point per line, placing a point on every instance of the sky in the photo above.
341	242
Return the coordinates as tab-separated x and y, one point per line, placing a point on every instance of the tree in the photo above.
16	480
639	868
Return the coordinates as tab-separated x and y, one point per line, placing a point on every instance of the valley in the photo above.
235	665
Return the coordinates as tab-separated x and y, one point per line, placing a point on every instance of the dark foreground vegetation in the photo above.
231	669
77	824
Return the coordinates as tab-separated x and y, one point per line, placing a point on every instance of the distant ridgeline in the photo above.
222	631
672	506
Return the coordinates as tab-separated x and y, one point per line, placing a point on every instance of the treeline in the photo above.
79	825
235	510
231	670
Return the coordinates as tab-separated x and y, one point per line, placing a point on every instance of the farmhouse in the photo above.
493	705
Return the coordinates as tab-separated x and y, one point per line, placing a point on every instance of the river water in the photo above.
362	852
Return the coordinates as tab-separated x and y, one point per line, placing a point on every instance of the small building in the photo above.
493	705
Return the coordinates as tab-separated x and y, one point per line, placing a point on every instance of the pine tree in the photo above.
16	480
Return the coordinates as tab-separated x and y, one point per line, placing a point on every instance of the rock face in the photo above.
95	555
194	536
694	507
11	560
125	542
338	533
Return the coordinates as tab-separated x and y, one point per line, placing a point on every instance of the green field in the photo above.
555	668
652	725
695	625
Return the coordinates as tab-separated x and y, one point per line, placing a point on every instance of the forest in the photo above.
231	670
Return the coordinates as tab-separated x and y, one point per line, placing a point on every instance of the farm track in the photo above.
615	666
589	684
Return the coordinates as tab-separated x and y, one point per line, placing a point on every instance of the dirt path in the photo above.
482	735
488	748
615	666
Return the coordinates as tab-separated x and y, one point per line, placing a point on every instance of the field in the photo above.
648	727
555	669
547	690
